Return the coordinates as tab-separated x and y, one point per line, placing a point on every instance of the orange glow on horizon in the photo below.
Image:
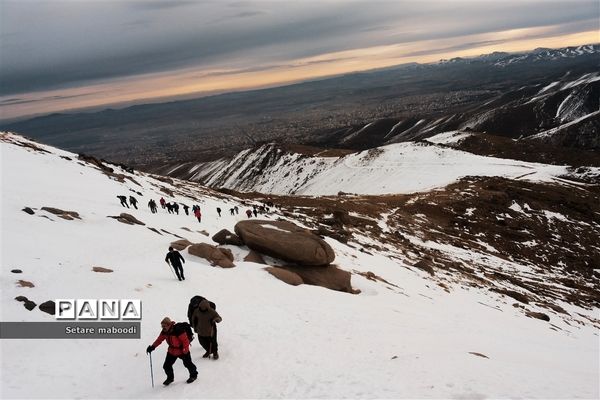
194	82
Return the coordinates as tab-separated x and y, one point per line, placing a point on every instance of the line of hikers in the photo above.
203	318
173	208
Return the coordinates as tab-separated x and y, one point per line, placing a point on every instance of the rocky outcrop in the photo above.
68	215
226	237
181	244
285	241
289	277
215	255
538	315
102	269
30	305
330	277
48	307
23	283
127	219
254	257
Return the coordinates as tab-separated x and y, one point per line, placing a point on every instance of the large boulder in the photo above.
286	241
216	256
289	277
181	244
226	237
331	277
254	257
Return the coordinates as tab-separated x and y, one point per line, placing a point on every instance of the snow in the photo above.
448	137
276	341
273	227
396	168
553	131
516	207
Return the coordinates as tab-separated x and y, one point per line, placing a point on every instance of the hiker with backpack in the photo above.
179	347
152	205
204	319
123	200
175	258
133	202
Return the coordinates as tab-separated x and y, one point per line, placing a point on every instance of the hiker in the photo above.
198	214
254	212
176	258
249	213
179	347
237	210
232	211
204	319
133	201
123	201
169	208
162	203
219	211
152	206
176	207
186	209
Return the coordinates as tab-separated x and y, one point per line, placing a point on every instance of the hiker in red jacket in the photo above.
198	214
179	347
162	202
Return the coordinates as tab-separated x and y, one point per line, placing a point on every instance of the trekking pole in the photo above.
151	373
172	270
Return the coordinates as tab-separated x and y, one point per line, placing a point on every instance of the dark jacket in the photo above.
178	344
174	257
203	318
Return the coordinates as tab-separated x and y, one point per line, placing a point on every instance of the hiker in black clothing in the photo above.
237	210
169	208
176	258
176	207
231	211
219	211
123	201
254	212
133	201
186	209
152	206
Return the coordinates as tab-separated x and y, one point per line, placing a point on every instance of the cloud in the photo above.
160	5
62	44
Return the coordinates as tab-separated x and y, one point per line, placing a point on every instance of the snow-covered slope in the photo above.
405	337
397	168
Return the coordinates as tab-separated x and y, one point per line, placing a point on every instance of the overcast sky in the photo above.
61	54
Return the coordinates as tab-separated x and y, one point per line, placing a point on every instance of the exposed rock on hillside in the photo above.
286	241
217	256
226	237
127	219
68	215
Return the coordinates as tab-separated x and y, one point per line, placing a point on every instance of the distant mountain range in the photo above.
502	59
550	95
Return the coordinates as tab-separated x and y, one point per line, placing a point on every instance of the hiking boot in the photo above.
215	356
168	381
205	355
191	379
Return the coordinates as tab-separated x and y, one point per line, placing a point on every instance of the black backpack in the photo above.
194	302
181	327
